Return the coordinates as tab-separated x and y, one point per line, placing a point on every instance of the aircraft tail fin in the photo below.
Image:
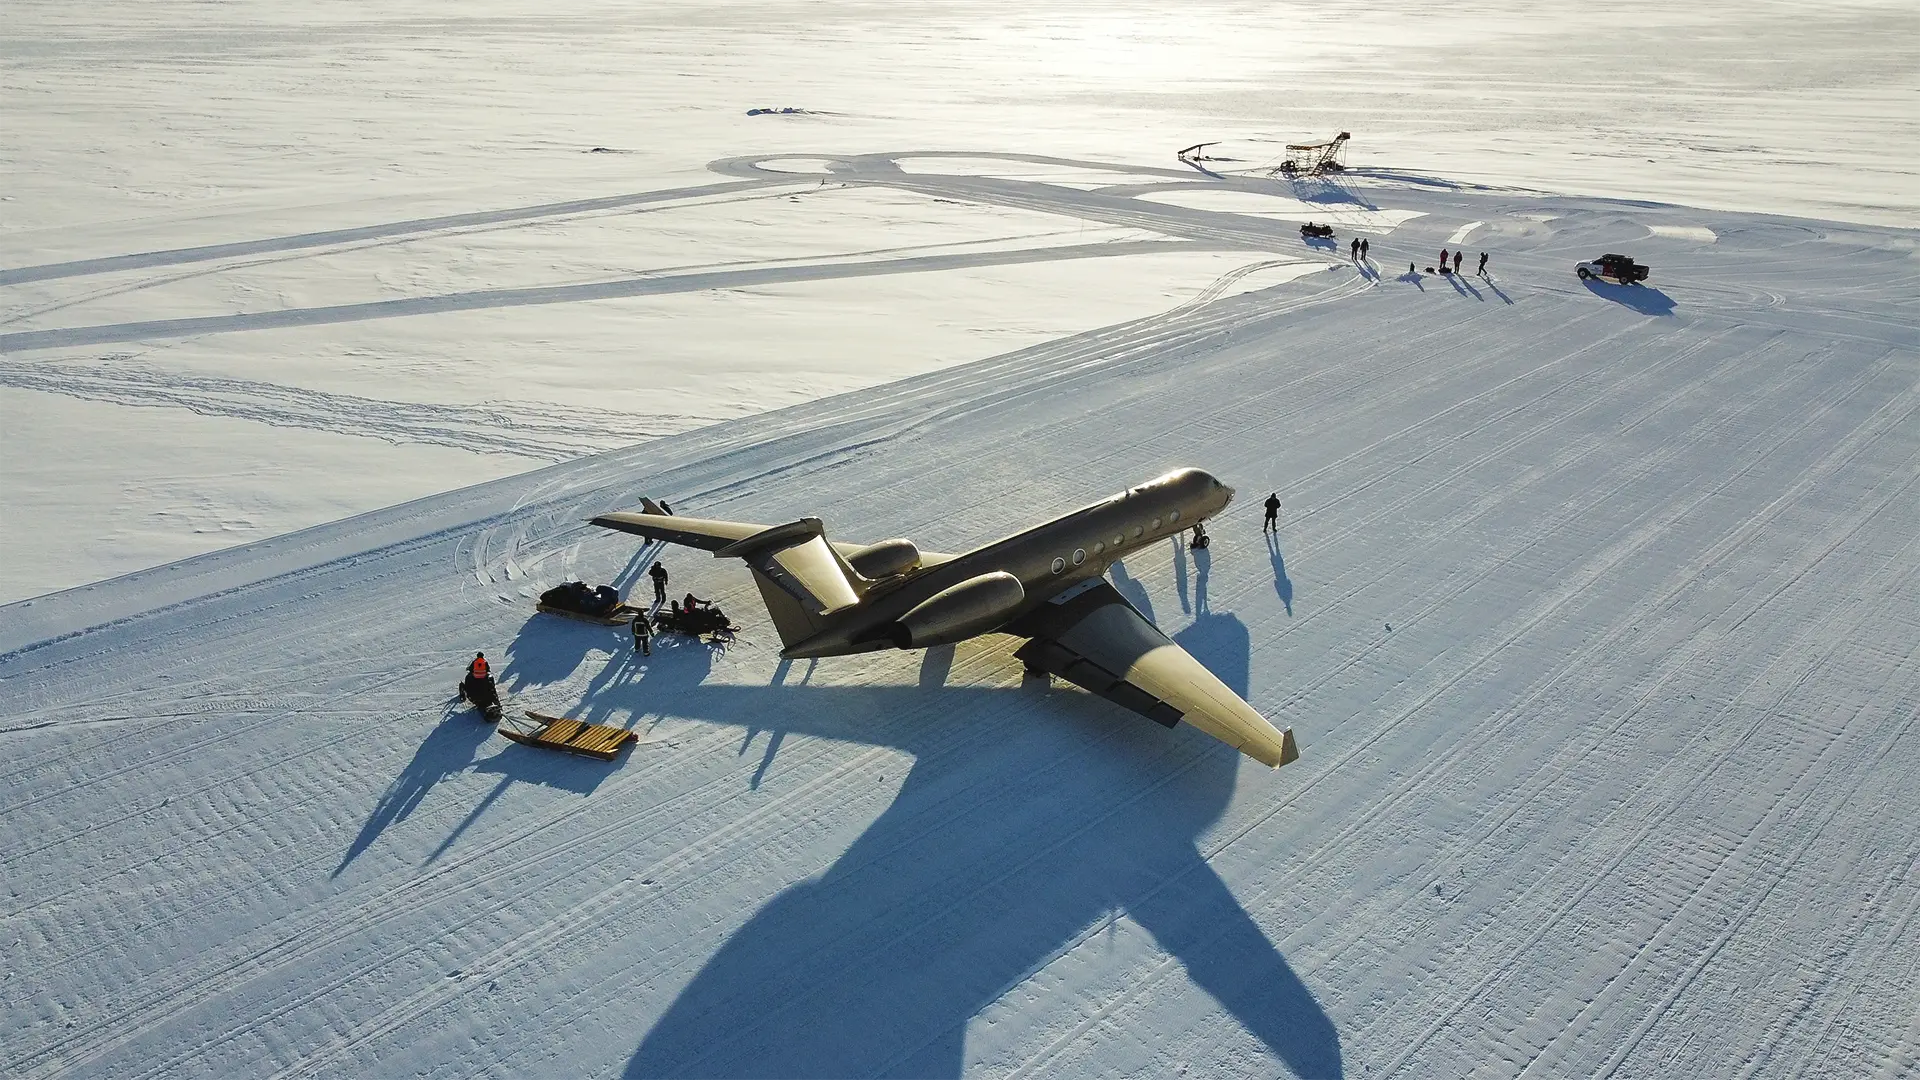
796	559
801	575
792	619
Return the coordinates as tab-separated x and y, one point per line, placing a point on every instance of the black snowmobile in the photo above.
483	695
694	622
1311	231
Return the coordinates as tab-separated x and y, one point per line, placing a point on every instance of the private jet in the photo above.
1046	584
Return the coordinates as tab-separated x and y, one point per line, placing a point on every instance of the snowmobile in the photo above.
694	622
599	603
1618	269
483	695
1311	231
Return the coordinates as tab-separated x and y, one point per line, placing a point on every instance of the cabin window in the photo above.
1099	546
1173	516
1059	565
1138	531
1156	524
1118	539
1079	556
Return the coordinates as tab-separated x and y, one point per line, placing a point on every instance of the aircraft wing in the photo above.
1090	636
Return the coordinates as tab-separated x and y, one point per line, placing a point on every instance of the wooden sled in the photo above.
572	736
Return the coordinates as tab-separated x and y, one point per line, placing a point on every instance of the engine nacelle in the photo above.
885	559
974	606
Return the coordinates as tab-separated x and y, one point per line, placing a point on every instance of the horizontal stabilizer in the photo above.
795	557
689	532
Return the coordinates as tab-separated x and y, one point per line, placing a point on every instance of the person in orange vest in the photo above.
478	686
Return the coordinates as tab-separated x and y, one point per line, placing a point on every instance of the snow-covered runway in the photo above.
1593	608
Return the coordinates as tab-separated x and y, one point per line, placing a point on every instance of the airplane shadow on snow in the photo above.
996	857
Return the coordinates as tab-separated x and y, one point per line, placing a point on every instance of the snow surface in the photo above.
1595	609
413	163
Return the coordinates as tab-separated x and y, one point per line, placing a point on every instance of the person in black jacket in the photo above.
1273	514
659	576
642	634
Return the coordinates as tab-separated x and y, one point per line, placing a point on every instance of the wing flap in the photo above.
1097	641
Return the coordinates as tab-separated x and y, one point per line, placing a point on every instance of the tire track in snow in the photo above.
1463	749
1345	837
520	428
1686	656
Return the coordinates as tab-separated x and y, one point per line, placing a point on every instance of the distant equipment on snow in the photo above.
1316	159
1194	153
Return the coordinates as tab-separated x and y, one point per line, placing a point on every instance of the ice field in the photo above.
1596	609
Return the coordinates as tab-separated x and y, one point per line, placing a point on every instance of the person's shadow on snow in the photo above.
1202	567
1017	833
1282	584
449	748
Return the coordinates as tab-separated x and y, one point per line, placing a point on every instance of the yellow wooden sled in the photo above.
573	736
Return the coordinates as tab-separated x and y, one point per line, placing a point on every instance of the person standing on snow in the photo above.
1363	249
1444	256
642	634
1457	256
1353	249
659	576
1483	265
1273	514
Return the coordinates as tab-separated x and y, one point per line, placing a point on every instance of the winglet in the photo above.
1289	750
652	507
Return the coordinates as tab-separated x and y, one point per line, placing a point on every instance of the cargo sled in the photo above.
578	600
567	735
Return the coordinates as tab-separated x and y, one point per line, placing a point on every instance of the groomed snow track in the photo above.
1595	614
